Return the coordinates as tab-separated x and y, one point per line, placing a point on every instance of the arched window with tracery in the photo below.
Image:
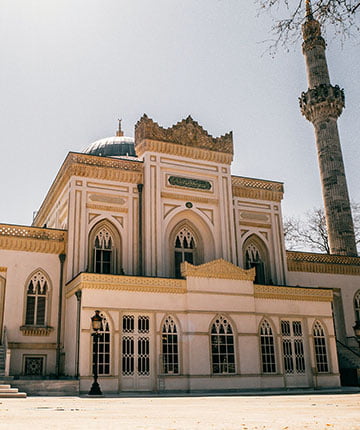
255	255
357	306
185	249
37	294
321	358
170	346
104	340
222	346
104	249
267	345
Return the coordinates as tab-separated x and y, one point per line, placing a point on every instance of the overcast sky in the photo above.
70	68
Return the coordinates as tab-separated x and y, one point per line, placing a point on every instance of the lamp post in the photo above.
356	328
96	323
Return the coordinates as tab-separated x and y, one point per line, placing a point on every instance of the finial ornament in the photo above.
119	131
309	14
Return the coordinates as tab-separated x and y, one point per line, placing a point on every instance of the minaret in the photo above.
322	104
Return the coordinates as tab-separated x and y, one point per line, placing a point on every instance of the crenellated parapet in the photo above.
187	133
322	102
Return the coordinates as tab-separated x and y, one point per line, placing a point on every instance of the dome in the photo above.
115	146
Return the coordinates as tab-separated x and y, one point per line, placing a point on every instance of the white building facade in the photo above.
187	266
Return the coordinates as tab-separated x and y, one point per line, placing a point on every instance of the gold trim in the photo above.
322	263
90	166
36	331
3	269
292	293
188	197
106	208
32	239
126	283
218	269
149	145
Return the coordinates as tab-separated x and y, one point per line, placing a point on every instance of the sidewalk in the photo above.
312	411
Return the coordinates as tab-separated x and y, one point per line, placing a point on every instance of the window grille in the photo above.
185	247
222	347
34	366
103	248
293	347
36	300
267	348
357	306
103	362
170	347
321	358
135	345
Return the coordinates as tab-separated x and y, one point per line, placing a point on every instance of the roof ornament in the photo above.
119	132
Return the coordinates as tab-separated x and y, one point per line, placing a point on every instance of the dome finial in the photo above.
309	14
119	132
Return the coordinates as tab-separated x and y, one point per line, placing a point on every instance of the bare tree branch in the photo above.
337	16
309	233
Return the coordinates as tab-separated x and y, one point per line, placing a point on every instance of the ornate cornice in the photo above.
322	102
292	293
36	331
257	189
127	283
90	166
186	133
32	239
322	263
148	145
219	269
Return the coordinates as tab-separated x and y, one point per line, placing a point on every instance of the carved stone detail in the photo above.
186	132
322	102
292	293
257	189
322	263
219	269
36	331
32	239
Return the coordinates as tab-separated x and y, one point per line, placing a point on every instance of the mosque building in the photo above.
184	265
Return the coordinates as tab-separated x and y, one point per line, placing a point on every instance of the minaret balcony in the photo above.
322	101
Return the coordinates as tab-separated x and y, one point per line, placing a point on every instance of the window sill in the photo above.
32	330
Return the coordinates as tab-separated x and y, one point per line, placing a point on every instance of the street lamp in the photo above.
96	323
356	328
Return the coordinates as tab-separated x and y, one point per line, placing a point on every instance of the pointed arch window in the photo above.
103	361
103	249
185	249
37	294
357	306
267	345
222	346
170	346
321	357
253	258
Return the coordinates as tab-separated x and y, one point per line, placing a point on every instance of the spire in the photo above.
119	132
322	104
309	14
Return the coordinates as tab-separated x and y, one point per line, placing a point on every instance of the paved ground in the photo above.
285	412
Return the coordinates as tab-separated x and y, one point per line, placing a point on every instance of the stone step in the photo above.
9	390
4	386
12	395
